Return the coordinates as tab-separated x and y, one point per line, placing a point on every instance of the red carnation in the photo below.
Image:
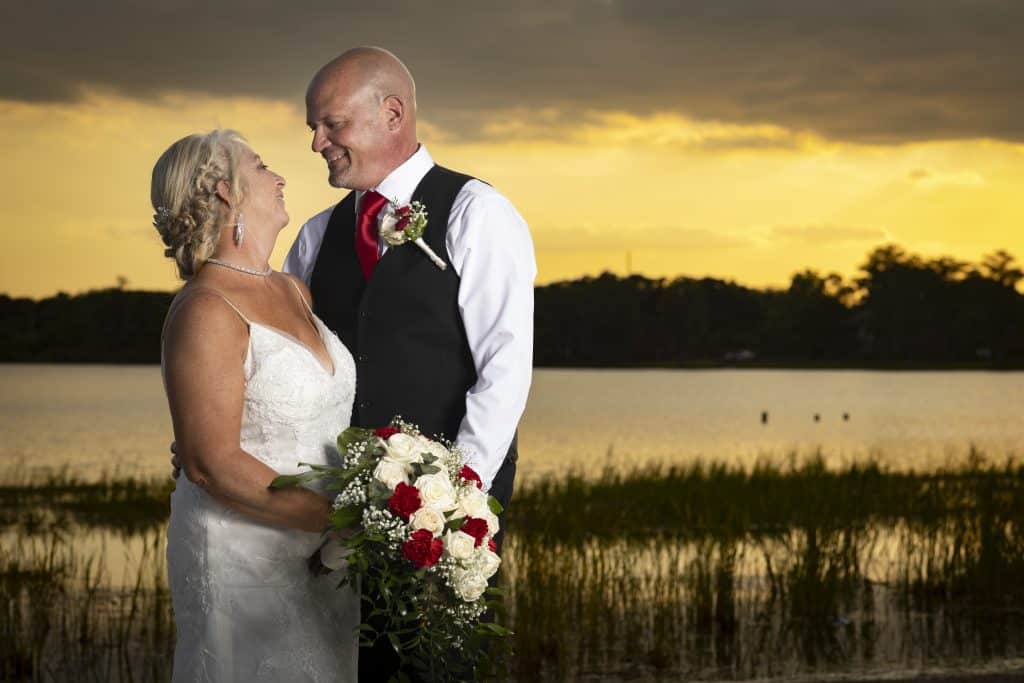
386	432
422	549
405	500
469	474
477	528
492	546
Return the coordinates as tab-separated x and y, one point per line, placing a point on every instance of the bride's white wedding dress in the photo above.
246	606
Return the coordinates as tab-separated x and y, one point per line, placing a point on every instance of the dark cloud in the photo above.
870	71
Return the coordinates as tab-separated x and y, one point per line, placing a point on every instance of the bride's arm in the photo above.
205	343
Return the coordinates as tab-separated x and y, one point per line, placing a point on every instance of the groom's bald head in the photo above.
361	107
373	68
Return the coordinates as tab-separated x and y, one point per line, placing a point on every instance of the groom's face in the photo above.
349	132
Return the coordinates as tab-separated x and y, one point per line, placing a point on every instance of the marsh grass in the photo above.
703	572
63	621
42	502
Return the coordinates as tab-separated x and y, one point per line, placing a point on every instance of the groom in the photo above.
451	349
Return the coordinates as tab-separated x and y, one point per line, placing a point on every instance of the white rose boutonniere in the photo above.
401	224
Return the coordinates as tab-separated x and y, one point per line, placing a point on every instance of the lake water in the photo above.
93	419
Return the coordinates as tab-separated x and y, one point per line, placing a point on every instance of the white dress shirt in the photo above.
490	248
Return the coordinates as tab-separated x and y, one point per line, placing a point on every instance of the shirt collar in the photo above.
399	185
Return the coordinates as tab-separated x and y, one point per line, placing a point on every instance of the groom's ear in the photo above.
394	112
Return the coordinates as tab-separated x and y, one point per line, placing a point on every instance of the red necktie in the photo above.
366	231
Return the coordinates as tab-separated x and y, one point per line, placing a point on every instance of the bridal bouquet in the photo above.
424	550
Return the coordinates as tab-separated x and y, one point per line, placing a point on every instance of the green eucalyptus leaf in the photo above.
395	643
455	524
287	480
351	436
490	628
494	505
378	490
347	516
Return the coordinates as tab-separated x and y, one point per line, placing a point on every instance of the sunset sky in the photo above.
737	139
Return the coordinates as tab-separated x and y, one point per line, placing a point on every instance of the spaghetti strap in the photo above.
226	300
302	298
176	304
240	314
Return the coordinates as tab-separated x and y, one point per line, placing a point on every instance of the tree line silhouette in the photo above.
901	310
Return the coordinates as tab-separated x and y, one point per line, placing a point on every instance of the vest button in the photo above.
363	358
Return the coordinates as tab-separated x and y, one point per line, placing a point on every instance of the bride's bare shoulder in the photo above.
202	317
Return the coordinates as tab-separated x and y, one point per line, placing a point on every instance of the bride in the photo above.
256	384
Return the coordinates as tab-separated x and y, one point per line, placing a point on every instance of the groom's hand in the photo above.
175	462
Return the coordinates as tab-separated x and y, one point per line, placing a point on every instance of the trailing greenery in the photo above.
902	310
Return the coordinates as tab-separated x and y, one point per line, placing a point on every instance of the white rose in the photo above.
436	491
404	449
472	502
459	545
334	555
429	519
487	561
468	584
391	472
388	220
435	448
389	231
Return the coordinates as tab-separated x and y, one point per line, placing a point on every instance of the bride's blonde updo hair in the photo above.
189	215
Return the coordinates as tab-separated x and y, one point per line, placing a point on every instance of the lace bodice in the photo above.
292	400
246	606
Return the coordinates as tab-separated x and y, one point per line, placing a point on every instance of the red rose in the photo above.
402	224
422	549
403	211
386	432
492	546
469	474
405	500
477	528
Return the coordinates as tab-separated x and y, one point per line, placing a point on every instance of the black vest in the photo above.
403	327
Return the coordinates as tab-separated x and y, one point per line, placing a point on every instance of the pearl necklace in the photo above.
241	269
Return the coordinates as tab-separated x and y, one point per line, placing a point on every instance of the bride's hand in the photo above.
333	554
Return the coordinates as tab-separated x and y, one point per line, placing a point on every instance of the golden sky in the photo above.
691	180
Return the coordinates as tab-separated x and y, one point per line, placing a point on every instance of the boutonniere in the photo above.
401	224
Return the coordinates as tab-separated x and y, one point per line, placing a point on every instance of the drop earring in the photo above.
239	230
